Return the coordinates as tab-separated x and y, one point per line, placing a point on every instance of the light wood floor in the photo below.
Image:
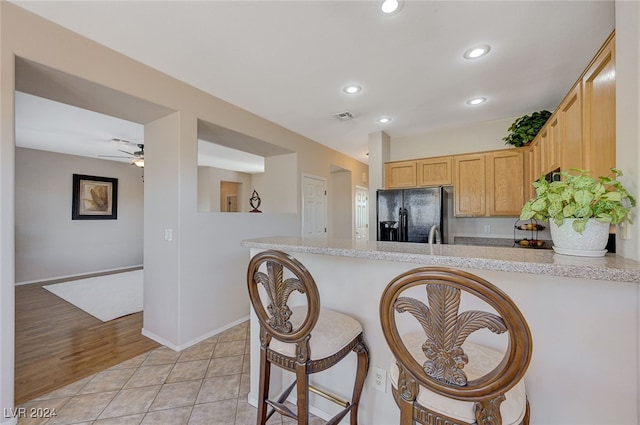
57	343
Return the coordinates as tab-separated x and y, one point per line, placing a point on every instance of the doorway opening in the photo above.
229	192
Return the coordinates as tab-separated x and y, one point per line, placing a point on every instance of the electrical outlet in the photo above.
625	231
487	228
379	379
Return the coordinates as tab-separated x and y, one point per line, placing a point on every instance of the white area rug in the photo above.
104	297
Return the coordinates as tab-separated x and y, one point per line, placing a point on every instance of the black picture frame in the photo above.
94	198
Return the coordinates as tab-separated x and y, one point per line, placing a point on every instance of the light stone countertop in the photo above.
519	260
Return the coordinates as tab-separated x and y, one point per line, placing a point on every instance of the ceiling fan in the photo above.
137	157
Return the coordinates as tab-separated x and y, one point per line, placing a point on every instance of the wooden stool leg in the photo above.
406	413
361	373
263	387
302	380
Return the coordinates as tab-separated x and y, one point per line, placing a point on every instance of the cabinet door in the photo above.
401	174
529	174
599	86
435	171
570	129
470	182
505	174
544	149
554	149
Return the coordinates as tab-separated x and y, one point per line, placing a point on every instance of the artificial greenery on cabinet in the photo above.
524	129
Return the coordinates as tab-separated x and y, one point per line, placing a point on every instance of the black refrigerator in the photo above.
407	215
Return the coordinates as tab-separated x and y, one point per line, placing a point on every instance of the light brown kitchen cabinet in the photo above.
550	148
469	185
435	171
581	131
504	177
570	131
528	172
599	96
532	168
400	174
489	184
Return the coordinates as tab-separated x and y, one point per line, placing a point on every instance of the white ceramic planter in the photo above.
591	242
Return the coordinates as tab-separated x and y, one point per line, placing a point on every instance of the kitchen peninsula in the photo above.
583	314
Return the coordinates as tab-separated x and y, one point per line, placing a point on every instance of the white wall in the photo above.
48	243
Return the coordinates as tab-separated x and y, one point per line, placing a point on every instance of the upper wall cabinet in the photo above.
505	174
599	94
435	171
550	147
420	173
469	193
400	174
570	118
489	184
581	133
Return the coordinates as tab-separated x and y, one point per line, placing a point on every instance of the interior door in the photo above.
232	203
362	214
314	207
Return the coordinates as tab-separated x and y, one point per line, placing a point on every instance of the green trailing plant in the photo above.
580	196
524	129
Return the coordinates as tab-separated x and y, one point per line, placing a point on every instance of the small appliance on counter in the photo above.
407	215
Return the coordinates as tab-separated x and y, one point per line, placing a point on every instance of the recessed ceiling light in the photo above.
351	89
476	52
476	100
384	120
389	7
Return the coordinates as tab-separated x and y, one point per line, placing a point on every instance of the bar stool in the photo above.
438	376
302	339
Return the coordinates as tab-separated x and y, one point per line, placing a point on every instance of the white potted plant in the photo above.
580	210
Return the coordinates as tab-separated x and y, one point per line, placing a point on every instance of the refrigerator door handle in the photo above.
405	225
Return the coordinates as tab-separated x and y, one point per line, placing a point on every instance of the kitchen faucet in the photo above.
434	235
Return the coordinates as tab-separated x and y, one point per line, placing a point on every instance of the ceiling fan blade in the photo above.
128	153
123	141
112	156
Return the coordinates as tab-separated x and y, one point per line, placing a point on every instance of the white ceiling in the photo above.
288	61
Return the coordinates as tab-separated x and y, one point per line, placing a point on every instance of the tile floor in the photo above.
207	384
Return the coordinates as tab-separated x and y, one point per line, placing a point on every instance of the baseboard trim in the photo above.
180	347
60	279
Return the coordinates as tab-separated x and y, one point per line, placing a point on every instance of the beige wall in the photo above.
483	136
214	184
628	115
341	220
49	244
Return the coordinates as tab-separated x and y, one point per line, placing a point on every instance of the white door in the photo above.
362	214
314	207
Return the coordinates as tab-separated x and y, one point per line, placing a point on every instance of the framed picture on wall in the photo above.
94	198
